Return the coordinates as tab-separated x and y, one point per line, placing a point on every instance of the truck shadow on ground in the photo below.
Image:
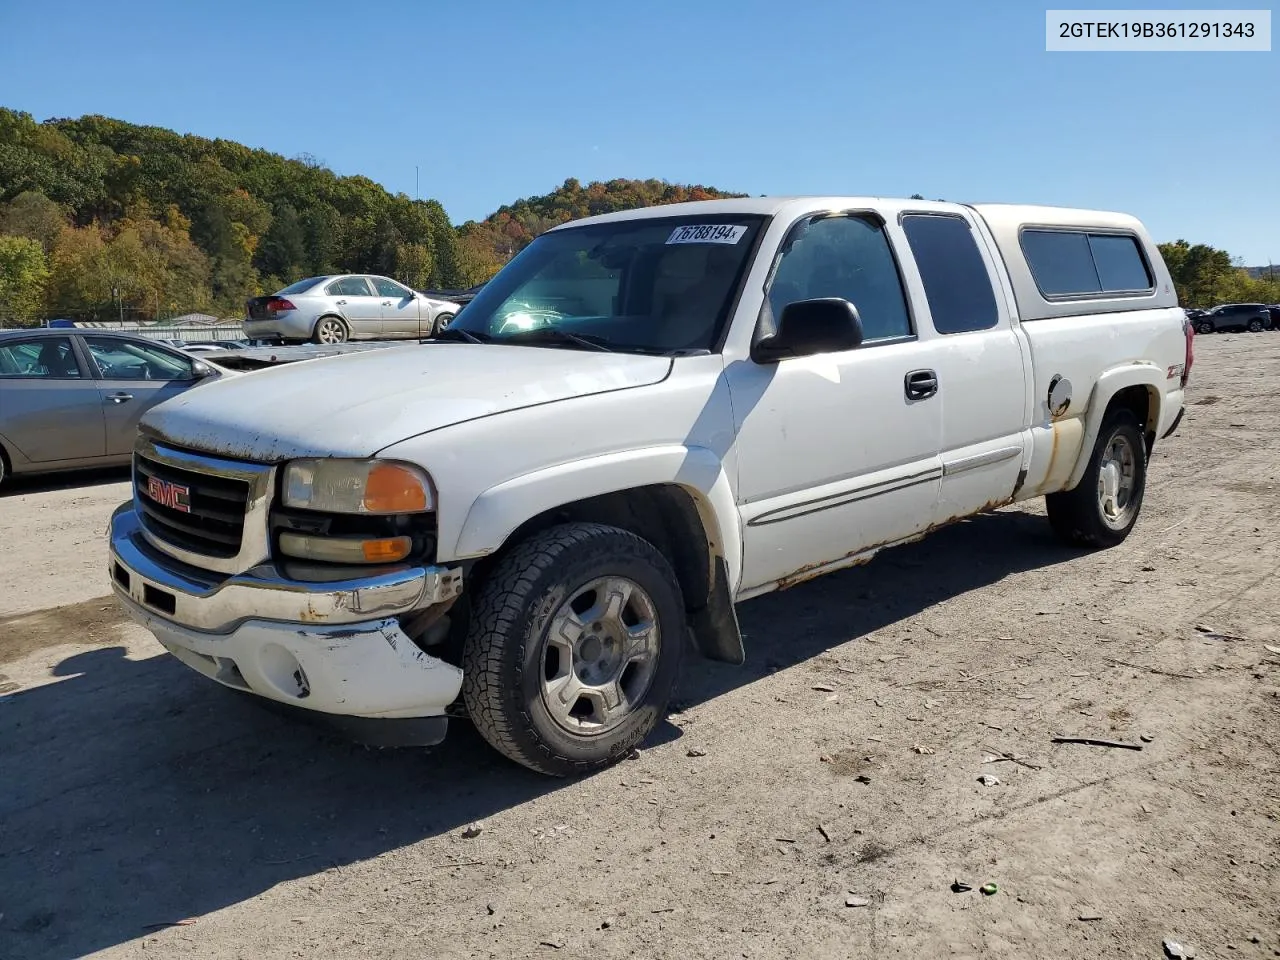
135	793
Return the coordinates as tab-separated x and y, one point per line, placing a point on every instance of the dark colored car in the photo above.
72	398
460	297
1235	316
1274	310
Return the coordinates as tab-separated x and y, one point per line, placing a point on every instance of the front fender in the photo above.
1141	374
500	510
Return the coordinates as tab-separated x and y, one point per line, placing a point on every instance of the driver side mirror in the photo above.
808	327
200	370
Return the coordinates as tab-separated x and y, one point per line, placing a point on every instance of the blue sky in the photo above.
497	99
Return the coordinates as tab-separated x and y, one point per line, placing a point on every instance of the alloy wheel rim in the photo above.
600	655
1117	482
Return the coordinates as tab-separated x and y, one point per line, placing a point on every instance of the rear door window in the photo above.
349	287
48	358
957	283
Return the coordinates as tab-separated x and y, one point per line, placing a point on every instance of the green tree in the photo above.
320	233
283	250
24	273
1198	271
32	214
82	282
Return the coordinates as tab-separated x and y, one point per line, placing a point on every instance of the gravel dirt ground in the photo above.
145	812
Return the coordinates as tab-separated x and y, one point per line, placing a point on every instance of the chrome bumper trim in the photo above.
216	604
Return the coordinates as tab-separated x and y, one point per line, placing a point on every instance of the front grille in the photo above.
200	512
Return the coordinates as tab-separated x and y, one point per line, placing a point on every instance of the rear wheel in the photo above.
1205	327
1255	326
4	466
574	648
1104	506
329	330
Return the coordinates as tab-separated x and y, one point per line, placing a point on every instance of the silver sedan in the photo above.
344	307
72	398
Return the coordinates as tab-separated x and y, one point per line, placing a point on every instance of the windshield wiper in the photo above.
461	336
556	335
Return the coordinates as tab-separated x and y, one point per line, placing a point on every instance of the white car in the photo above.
643	419
343	307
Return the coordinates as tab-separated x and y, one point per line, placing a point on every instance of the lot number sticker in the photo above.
709	233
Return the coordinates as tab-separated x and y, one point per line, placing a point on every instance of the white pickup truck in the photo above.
643	419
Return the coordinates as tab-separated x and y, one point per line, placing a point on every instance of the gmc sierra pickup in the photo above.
643	419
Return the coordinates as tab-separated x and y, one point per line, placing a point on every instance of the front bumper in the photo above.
335	648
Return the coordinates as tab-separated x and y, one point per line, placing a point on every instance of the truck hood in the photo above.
355	405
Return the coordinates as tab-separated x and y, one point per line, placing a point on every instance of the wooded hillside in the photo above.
102	219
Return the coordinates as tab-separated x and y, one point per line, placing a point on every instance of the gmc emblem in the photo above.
170	495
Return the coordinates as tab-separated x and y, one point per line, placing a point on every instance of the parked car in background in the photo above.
1274	310
343	307
213	346
1194	314
72	398
1235	316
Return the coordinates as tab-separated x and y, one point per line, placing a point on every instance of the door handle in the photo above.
386	303
341	303
921	384
119	397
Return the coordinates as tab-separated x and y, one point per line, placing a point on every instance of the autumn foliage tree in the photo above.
487	245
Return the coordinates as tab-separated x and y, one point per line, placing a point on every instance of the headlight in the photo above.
357	486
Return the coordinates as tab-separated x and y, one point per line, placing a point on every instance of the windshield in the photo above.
660	285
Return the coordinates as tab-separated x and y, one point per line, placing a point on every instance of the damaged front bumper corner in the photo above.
334	649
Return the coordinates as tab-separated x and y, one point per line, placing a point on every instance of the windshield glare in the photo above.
660	285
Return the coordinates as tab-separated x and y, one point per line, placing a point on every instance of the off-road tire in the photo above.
502	656
1076	515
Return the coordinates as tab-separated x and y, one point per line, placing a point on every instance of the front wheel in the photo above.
574	648
1104	506
1205	328
442	321
1255	326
